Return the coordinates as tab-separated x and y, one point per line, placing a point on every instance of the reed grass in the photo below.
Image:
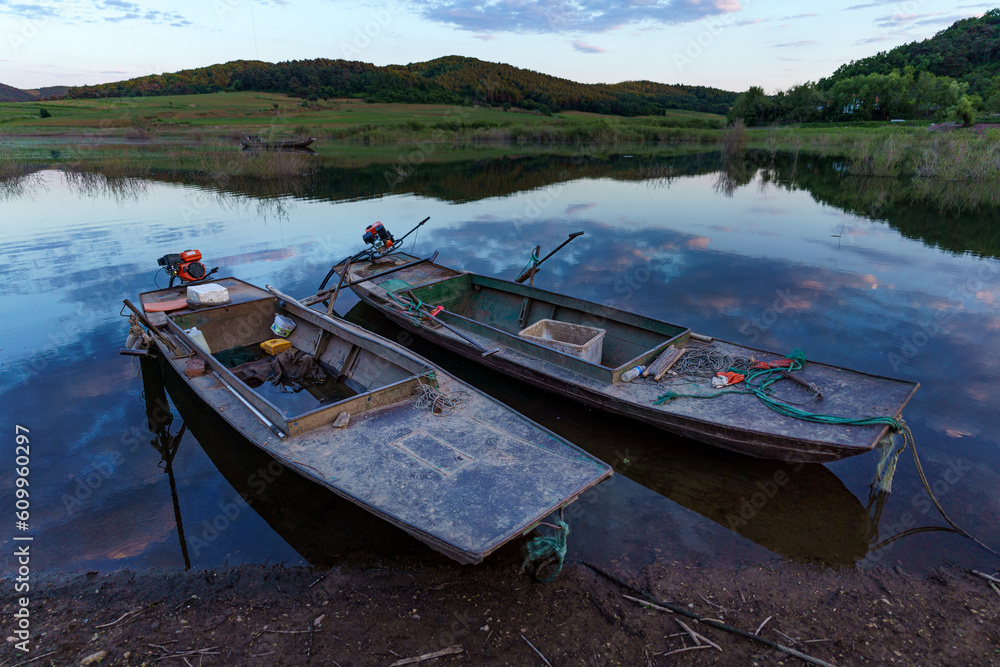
111	162
734	141
221	162
878	156
965	159
11	166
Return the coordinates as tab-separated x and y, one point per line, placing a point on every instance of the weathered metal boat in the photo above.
376	424
581	350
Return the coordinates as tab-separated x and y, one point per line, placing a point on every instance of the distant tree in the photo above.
753	106
965	109
44	113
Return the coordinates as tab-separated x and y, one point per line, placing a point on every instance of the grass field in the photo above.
201	132
257	112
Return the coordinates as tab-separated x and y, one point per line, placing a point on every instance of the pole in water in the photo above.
530	273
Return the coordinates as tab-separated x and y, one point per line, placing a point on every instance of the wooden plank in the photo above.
667	364
653	368
354	406
408	362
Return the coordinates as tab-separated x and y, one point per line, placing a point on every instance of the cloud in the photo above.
878	3
952	18
904	20
583	47
795	45
883	38
554	16
121	4
485	38
798	16
132	11
24	11
899	20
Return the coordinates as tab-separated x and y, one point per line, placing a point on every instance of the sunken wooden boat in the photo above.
485	319
257	142
464	479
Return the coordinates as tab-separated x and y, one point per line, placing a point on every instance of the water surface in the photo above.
894	278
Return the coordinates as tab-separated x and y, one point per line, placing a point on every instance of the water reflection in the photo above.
159	418
858	274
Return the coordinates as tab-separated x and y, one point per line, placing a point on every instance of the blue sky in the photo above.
730	44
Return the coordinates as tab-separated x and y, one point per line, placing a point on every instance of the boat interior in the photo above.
360	374
602	342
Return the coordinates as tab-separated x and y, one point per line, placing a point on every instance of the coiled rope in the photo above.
439	402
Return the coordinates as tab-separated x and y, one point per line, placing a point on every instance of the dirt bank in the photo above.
253	615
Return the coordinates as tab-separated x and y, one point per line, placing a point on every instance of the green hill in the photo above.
48	92
448	80
968	51
11	94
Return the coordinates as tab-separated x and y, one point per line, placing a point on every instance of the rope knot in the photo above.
545	549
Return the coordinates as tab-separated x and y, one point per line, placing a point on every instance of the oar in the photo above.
533	270
485	352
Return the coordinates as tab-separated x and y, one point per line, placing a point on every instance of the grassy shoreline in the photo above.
200	133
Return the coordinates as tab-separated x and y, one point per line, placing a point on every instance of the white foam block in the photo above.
207	293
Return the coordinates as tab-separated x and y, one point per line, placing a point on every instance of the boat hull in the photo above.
740	430
464	482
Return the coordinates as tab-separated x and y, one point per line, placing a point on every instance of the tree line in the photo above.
950	76
449	80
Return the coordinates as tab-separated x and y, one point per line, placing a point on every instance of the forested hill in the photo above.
11	94
968	51
448	80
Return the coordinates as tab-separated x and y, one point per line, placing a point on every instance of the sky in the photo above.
729	44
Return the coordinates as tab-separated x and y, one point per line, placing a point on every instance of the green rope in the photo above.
888	458
671	395
532	262
546	547
759	383
411	307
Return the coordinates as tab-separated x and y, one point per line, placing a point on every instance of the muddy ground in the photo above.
488	614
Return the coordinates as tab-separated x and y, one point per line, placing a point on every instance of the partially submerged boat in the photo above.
258	142
367	419
581	350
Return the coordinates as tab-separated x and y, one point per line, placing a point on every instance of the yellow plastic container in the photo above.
275	346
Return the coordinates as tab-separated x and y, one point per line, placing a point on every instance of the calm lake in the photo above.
890	277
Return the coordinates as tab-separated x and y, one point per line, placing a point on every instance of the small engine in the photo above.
377	236
185	266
